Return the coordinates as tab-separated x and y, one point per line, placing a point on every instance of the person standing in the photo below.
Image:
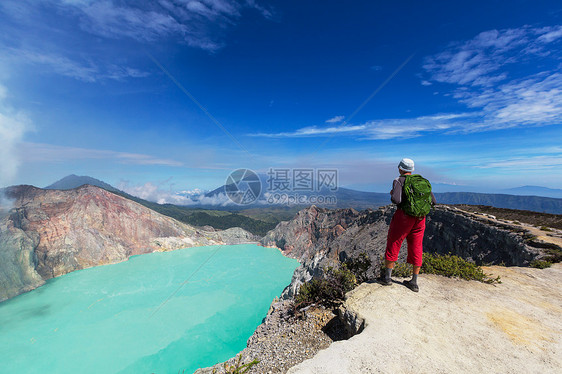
414	198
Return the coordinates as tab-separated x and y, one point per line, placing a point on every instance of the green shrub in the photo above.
328	291
554	255
454	266
544	228
359	266
540	264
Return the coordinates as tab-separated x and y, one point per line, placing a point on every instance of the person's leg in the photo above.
399	227
415	252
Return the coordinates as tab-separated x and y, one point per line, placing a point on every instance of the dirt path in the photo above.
453	326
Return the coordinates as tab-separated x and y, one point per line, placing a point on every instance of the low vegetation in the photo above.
331	289
359	266
540	264
237	367
328	291
447	266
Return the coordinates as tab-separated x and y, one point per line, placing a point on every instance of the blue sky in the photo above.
168	95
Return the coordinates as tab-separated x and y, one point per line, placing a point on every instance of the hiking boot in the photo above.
413	286
385	281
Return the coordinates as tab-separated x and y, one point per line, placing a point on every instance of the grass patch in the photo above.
238	367
540	264
454	266
544	228
445	265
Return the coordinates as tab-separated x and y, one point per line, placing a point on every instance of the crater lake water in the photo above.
165	312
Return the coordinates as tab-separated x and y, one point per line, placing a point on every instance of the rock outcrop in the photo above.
319	238
48	233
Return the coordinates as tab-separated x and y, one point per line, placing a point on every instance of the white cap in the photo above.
406	165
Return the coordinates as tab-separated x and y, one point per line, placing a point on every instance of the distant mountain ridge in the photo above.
535	191
533	203
346	198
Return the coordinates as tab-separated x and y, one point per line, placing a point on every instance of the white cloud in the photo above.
551	34
312	131
525	163
85	71
476	62
155	192
497	72
388	128
535	100
477	69
150	191
38	152
198	23
335	119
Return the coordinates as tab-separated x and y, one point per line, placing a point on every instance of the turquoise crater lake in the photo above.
115	318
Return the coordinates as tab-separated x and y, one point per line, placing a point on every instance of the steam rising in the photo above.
13	126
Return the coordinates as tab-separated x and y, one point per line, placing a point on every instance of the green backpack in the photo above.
417	191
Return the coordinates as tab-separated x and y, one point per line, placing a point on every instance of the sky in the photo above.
161	96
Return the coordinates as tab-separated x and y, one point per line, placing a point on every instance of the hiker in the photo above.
408	222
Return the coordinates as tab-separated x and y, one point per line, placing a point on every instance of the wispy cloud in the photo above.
387	128
525	163
511	75
312	131
335	119
479	61
83	70
38	152
478	70
535	100
199	23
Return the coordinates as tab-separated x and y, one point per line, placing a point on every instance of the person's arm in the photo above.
396	193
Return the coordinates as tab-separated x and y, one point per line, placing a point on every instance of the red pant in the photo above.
403	226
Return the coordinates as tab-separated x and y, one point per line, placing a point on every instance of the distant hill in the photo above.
348	198
535	191
533	203
74	181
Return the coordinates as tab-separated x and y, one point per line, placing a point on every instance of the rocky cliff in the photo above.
320	237
452	326
48	233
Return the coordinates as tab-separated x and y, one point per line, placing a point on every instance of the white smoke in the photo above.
13	126
152	192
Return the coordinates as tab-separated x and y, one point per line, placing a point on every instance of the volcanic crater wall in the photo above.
50	232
